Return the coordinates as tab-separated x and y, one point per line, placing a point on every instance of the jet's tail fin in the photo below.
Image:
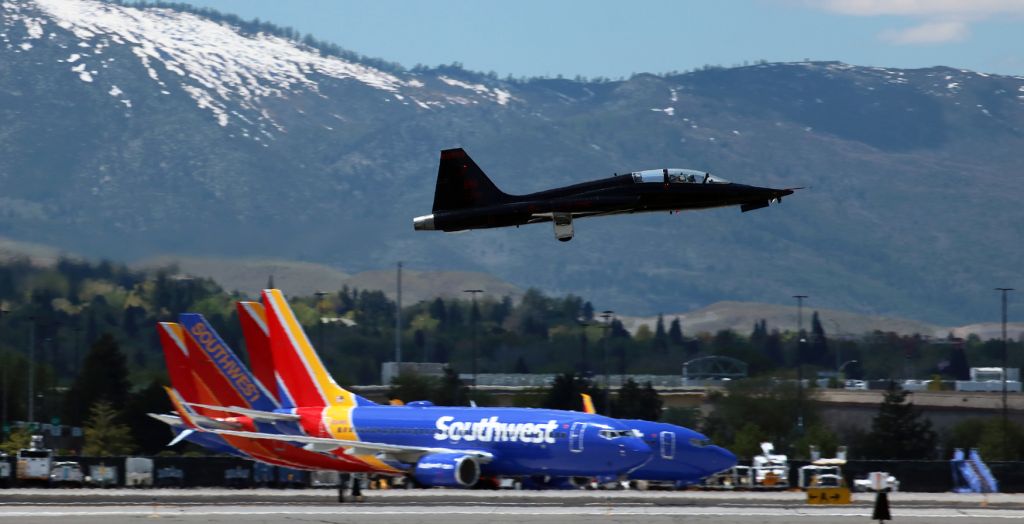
220	370
172	340
461	184
303	376
257	341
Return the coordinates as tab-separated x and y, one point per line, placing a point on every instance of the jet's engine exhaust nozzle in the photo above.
423	223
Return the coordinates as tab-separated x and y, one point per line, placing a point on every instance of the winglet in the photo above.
588	404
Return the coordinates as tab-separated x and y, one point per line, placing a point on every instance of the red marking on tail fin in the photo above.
257	342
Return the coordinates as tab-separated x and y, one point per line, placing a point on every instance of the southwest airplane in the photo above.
437	446
680	455
465	198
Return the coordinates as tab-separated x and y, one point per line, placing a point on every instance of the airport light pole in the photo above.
31	370
473	314
607	316
320	321
800	362
6	365
838	360
398	315
1004	291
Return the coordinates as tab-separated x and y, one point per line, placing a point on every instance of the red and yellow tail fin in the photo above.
257	342
296	363
172	340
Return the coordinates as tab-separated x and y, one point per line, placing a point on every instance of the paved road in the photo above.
501	507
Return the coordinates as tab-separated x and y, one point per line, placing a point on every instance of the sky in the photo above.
611	38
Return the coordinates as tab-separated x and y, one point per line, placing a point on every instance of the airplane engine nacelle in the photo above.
448	470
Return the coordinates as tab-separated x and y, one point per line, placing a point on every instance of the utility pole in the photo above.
835	339
320	321
398	317
6	365
1006	447
606	315
31	370
800	363
474	313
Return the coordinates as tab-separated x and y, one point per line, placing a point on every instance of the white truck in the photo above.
34	464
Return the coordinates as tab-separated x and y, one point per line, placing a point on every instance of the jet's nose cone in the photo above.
719	459
785	192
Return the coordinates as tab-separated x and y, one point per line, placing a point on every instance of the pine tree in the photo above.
660	341
819	342
104	377
958	366
104	436
634	402
675	332
900	431
450	390
565	393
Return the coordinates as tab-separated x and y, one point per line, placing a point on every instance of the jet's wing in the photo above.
356	447
255	414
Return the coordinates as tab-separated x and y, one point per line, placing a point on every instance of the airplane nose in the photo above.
720	459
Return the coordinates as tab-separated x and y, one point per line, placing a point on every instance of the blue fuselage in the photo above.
523	441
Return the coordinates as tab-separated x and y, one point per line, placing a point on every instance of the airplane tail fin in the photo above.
461	184
220	370
257	341
172	340
303	376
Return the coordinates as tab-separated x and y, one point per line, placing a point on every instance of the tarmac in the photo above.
436	506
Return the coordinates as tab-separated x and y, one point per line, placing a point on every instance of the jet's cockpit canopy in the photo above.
676	176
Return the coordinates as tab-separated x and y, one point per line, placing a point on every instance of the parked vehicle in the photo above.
138	471
170	476
66	474
5	471
34	463
102	476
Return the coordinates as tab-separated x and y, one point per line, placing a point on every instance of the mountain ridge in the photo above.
911	211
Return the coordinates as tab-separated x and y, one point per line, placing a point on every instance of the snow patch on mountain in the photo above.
214	63
500	96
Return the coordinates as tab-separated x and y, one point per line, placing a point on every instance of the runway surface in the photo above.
495	507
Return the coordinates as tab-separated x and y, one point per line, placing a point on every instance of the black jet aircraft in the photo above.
466	199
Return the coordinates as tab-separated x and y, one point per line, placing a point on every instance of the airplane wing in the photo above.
356	447
255	414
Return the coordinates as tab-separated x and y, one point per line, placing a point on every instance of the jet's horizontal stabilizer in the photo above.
181	436
254	414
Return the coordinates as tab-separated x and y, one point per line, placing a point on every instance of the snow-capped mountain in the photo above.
129	132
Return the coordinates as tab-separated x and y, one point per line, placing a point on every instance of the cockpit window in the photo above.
676	176
615	433
700	442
